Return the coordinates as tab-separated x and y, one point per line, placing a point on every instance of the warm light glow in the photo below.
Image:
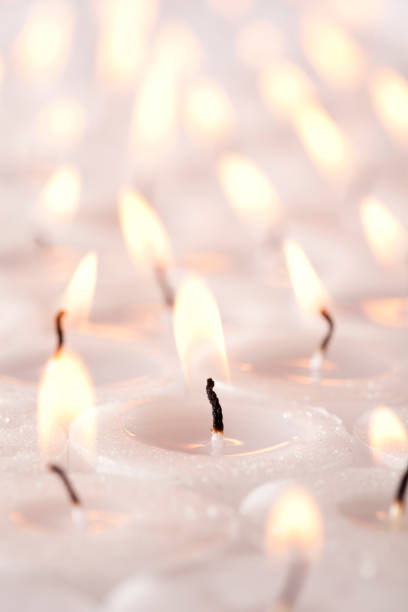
387	432
208	111
65	393
154	114
389	92
248	190
144	233
294	522
258	43
359	12
309	290
60	196
42	48
285	88
63	121
322	139
386	236
197	325
231	9
77	300
177	49
335	56
125	26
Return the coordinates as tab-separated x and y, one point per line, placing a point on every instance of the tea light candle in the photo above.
168	437
25	591
144	528
19	450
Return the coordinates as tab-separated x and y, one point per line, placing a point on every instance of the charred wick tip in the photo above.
218	424
73	497
326	340
59	330
164	286
402	487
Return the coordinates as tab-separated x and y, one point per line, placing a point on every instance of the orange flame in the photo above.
65	393
387	432
60	195
124	29
144	233
197	325
322	139
389	92
294	522
309	290
77	300
335	56
63	121
248	190
285	88
208	112
387	238
43	45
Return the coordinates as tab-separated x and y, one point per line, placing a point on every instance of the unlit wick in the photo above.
292	587
78	517
164	285
59	330
397	507
217	437
317	357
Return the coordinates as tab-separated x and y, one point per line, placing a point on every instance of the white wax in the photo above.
169	437
19	451
127	529
35	593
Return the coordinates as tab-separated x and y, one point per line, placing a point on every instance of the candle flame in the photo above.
309	290
248	190
65	392
60	196
63	121
389	92
294	522
333	53
42	48
387	238
322	139
387	432
197	326
77	300
124	29
208	112
144	233
285	88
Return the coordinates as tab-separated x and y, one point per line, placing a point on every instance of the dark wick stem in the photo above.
164	285
326	340
59	330
74	499
402	487
293	585
218	425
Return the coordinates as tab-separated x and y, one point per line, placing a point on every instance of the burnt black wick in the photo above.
218	425
73	497
398	505
164	285
59	330
326	340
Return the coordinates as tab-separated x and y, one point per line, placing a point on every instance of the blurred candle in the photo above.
389	93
